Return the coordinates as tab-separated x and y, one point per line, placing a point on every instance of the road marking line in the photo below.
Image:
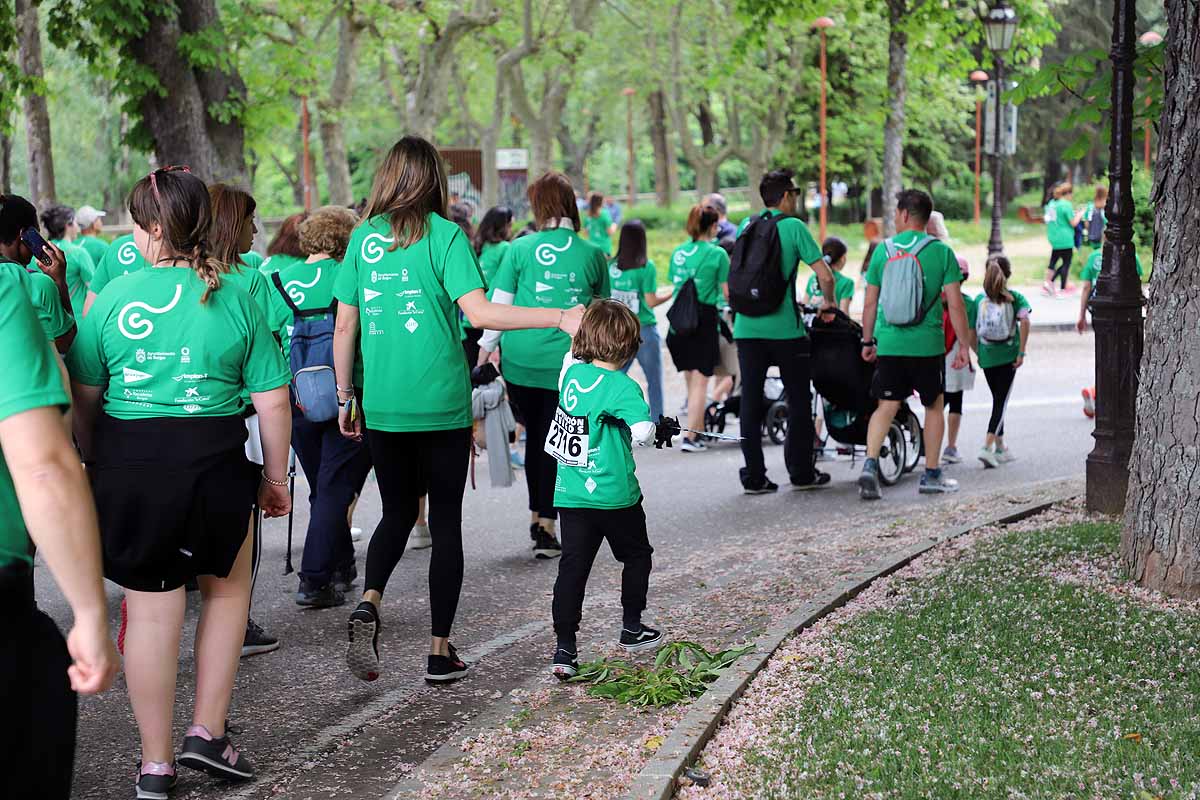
1036	402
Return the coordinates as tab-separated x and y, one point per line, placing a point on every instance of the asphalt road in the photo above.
300	706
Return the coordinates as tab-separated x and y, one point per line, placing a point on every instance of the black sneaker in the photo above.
564	666
155	780
819	481
534	530
546	545
868	482
644	638
765	486
444	669
343	579
257	640
217	757
362	653
311	596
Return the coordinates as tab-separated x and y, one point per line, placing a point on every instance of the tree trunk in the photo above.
179	122
332	106
704	116
893	129
1160	543
5	160
37	115
706	176
489	139
663	190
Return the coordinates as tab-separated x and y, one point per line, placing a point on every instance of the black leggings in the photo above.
537	407
1064	269
1000	381
953	402
407	466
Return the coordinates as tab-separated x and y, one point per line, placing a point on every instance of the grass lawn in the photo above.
997	679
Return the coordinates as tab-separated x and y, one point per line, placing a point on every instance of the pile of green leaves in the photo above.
681	671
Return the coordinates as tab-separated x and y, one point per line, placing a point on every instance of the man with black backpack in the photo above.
768	331
907	277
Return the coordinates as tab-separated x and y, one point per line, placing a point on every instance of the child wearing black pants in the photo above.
601	413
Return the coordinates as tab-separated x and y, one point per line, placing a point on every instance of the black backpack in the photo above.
1096	225
757	285
684	314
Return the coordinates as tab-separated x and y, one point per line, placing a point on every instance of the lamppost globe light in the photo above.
823	22
1150	38
979	76
1000	25
629	91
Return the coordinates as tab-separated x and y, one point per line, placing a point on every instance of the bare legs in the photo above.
697	387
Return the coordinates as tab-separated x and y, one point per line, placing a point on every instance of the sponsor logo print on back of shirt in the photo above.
540	287
570	400
682	255
372	249
547	254
127	254
368	294
133	325
135	376
294	288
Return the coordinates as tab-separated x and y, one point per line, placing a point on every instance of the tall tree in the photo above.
665	184
898	12
332	107
37	114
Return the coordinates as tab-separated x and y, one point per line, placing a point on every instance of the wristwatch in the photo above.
870	342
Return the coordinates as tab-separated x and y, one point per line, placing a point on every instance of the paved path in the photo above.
317	732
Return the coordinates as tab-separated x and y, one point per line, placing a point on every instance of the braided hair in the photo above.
177	201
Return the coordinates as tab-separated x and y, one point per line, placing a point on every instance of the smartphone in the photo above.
36	244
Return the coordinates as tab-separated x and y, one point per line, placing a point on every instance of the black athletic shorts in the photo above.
897	377
699	350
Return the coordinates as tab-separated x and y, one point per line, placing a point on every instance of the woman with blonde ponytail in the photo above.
158	372
1001	323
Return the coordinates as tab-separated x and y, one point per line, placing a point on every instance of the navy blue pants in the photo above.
336	468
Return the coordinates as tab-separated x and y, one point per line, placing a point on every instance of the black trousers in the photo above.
954	402
791	356
999	380
537	408
36	700
407	466
1064	269
582	530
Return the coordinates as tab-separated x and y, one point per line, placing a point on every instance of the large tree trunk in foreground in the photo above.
893	128
1160	545
37	116
180	122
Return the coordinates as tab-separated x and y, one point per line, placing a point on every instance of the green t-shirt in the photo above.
162	353
43	293
96	248
1091	270
121	258
80	269
1059	230
590	438
554	268
927	337
252	260
310	286
706	264
490	259
996	354
597	230
783	323
33	381
415	372
276	263
630	287
970	307
843	288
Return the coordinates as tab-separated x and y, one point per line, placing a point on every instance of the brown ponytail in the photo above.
995	280
178	202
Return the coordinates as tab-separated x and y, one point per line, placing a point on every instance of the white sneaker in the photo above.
420	539
988	458
692	445
1005	456
950	456
356	534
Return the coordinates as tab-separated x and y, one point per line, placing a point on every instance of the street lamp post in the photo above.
978	77
1117	303
629	92
306	168
1000	25
822	24
1149	38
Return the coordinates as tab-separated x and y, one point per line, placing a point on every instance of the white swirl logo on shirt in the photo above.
131	322
293	288
570	400
547	254
682	255
127	254
372	247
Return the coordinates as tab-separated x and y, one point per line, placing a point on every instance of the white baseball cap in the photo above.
87	215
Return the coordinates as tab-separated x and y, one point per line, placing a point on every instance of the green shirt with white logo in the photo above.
554	268
490	258
278	262
33	381
163	353
843	288
630	287
597	230
591	441
96	248
996	354
310	286
121	258
415	375
43	293
1091	270
1059	230
927	337
706	264
783	323
252	260
80	269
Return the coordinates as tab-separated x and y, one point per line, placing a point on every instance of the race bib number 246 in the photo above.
568	439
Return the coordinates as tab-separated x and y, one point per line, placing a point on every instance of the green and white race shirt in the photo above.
121	258
80	269
310	286
96	248
783	323
278	263
706	264
600	412
43	293
630	287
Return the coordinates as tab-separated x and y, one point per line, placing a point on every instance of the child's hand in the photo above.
665	430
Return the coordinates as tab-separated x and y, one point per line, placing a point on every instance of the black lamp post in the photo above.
999	26
1117	303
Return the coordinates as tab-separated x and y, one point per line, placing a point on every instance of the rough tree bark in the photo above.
332	106
770	122
1160	543
664	190
893	128
179	121
576	152
37	115
5	161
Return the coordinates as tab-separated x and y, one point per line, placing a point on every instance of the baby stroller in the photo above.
774	421
843	381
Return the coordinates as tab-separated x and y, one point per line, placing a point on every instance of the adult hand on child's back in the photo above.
571	318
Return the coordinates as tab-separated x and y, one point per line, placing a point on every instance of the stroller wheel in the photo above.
777	422
892	455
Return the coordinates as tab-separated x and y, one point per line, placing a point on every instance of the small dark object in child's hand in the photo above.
664	430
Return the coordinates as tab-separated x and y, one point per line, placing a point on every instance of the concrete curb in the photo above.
657	779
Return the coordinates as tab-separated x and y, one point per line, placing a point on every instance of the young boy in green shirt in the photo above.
601	413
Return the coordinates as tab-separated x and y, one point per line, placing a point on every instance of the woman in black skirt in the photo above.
706	265
158	372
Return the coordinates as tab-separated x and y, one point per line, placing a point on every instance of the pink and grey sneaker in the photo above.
155	780
204	752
